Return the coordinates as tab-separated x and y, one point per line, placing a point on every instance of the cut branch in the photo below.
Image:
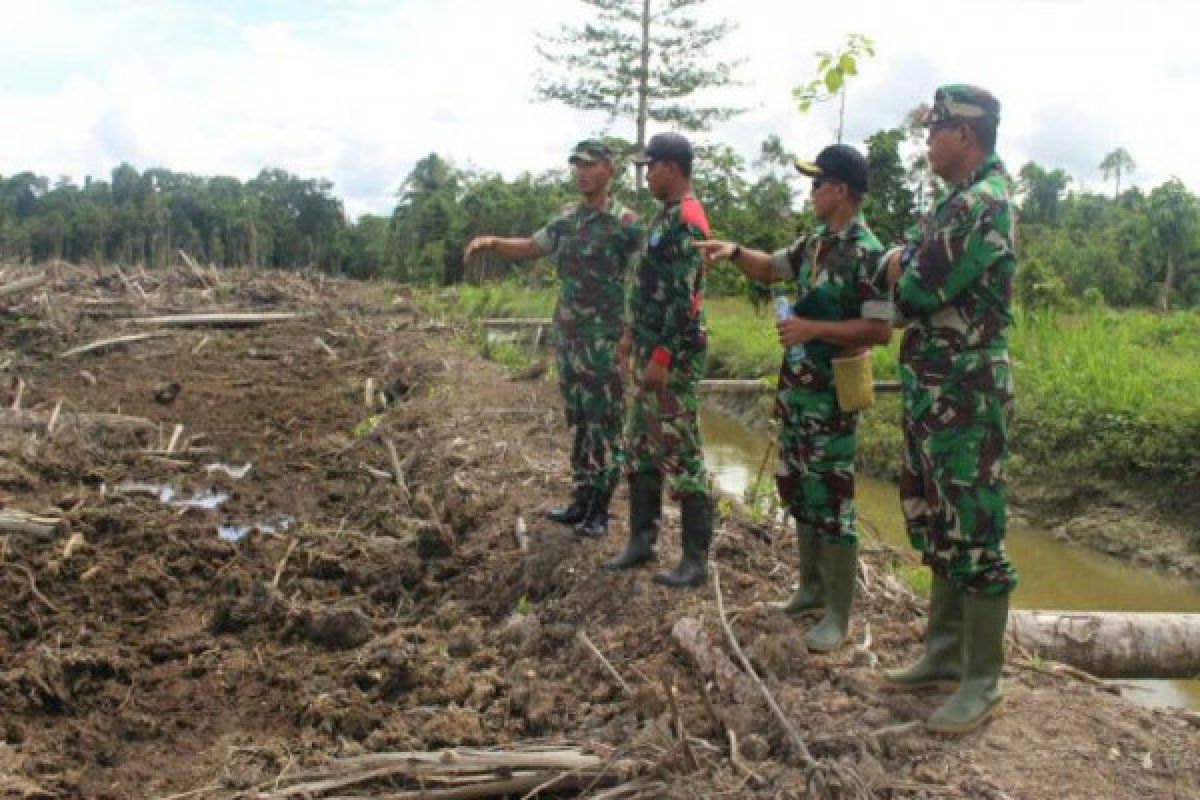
116	341
233	319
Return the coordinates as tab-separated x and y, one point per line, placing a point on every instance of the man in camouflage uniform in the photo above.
954	291
594	245
844	306
668	342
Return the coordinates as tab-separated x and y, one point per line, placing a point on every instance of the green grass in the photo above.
507	299
916	577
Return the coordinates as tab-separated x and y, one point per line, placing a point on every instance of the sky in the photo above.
357	91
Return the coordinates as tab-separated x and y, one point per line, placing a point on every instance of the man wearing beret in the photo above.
667	345
953	290
843	306
593	244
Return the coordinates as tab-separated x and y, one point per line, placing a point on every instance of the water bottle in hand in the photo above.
783	310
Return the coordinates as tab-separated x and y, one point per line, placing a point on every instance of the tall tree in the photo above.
1115	163
1174	218
639	59
834	68
1041	190
889	207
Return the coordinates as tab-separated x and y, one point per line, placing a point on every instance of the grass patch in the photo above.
916	577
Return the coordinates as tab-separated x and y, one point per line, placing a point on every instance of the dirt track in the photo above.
154	658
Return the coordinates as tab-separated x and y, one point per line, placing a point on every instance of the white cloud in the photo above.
358	91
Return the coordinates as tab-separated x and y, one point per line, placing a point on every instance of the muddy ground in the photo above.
144	656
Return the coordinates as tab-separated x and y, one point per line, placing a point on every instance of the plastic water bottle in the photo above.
783	310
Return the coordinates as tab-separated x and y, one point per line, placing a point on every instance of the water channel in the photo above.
1054	575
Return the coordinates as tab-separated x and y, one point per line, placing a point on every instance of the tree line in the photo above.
1130	248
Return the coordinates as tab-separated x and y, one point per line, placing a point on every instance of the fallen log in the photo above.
232	319
515	323
24	284
88	423
14	520
1111	644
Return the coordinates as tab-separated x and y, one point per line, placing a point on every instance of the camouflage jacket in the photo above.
838	276
594	252
666	297
956	289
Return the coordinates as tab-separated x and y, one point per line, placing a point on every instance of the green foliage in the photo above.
523	605
1041	190
916	577
274	220
367	426
890	205
507	354
833	67
619	63
509	298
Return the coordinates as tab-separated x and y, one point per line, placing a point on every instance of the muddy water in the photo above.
1054	575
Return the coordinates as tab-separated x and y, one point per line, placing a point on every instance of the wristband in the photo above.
662	356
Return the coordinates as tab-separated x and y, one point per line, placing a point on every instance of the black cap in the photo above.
666	147
838	162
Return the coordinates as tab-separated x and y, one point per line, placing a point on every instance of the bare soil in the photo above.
151	658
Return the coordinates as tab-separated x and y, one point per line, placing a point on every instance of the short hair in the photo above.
985	133
685	167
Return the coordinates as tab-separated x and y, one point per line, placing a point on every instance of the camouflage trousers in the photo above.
815	473
952	485
664	428
594	401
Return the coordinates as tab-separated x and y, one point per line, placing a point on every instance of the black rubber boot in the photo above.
595	522
692	569
574	513
645	511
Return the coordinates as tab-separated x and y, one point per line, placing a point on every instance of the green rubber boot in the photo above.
645	512
808	594
941	664
984	620
839	573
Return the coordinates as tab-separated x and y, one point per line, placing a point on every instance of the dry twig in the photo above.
595	651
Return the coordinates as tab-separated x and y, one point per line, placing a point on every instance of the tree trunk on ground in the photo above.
1113	644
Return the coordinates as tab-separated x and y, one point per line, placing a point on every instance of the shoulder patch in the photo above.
692	213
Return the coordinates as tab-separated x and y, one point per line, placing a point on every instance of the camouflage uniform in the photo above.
668	326
955	295
593	251
815	475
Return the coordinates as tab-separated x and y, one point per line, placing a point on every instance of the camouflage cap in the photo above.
962	102
590	151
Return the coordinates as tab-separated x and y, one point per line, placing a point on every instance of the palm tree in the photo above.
1114	164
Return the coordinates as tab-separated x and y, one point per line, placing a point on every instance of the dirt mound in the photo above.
189	625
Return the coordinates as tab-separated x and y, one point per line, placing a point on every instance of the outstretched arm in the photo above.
514	248
754	264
